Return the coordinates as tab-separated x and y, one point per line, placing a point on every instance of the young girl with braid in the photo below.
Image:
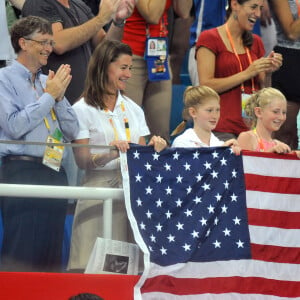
202	106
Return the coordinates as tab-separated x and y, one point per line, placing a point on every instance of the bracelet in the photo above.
94	157
120	25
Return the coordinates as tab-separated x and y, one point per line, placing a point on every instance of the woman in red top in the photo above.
149	19
230	60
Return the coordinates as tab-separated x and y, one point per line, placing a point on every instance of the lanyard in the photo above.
238	58
125	121
298	7
162	28
53	115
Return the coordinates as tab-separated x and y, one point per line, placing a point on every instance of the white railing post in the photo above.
107	218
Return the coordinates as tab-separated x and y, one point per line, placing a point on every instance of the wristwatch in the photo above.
121	24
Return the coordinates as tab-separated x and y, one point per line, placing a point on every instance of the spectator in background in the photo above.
267	28
77	31
86	296
208	14
287	19
7	16
93	5
211	14
15	7
179	35
10	14
33	109
230	60
150	85
17	4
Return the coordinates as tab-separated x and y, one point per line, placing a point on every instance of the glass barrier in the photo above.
52	212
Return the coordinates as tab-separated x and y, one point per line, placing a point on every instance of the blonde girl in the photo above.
202	106
267	112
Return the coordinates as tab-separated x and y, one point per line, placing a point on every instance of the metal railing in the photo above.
69	192
108	195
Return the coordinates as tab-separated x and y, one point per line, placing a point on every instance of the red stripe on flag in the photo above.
272	218
276	254
289	156
282	185
220	285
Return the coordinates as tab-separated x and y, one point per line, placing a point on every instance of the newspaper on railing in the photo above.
111	256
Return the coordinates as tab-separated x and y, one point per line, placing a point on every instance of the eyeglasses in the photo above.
42	43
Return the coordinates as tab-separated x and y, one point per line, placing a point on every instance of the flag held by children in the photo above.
213	225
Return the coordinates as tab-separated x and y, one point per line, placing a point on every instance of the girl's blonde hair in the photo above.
192	97
261	99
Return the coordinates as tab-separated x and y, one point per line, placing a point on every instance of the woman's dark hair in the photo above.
26	27
97	79
247	36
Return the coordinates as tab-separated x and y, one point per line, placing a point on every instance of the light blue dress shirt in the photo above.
23	106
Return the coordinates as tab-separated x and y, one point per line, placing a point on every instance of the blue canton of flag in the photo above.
189	205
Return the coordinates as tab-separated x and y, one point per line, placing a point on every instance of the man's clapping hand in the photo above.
58	82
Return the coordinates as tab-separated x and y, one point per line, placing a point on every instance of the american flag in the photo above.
213	225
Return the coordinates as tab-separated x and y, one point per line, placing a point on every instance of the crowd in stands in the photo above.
101	73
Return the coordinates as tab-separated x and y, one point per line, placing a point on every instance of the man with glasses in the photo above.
77	32
45	43
33	109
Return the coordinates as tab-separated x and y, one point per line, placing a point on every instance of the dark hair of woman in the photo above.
96	83
247	36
